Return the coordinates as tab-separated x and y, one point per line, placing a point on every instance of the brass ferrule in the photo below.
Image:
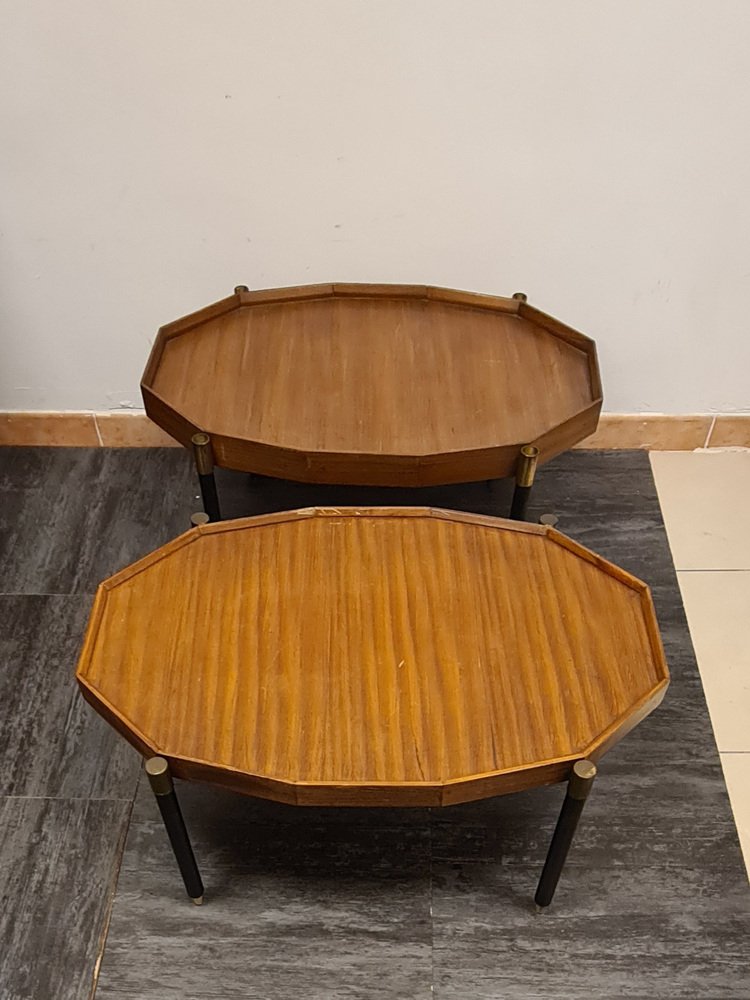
520	296
159	777
582	779
526	467
240	288
203	452
198	518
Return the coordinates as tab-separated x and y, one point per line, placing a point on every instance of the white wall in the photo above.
157	152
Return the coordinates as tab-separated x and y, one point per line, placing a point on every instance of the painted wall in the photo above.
594	154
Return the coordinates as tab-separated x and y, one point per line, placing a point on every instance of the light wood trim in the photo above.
730	430
616	431
49	429
649	432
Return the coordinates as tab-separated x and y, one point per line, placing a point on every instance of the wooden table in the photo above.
380	385
372	657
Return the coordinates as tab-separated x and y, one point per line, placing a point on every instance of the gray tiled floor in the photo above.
343	903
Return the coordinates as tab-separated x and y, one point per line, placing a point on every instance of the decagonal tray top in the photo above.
383	656
381	385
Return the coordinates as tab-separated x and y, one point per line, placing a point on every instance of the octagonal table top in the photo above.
381	656
383	385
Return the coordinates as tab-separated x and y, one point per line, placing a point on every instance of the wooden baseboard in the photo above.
650	431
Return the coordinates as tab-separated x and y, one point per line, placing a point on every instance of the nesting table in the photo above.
379	385
373	657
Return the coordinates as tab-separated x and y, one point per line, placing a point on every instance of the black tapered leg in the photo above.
579	786
525	470
204	462
160	779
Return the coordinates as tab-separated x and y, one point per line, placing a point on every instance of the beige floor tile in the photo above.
704	500
737	776
717	605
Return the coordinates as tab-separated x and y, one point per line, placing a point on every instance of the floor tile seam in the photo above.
36	593
713	569
363	873
66	798
101	442
431	901
112	897
709	432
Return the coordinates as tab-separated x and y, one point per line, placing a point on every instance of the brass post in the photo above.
204	458
520	296
582	779
525	471
527	462
204	462
240	288
159	777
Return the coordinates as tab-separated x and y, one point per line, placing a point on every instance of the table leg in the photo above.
525	470
579	786
204	462
160	780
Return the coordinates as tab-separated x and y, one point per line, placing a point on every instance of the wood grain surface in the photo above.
373	384
373	656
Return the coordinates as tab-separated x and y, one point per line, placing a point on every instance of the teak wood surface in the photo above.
382	656
382	385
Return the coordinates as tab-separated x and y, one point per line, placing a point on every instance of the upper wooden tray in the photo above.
381	656
381	385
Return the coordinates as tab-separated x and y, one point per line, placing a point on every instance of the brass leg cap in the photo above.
539	909
198	900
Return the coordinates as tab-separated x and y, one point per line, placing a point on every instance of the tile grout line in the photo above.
99	433
60	798
432	900
104	934
733	569
35	593
710	432
733	799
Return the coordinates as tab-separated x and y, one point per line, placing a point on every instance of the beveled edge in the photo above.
270	458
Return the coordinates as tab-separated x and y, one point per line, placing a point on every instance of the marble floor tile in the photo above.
322	910
703	497
69	517
636	932
51	742
58	867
